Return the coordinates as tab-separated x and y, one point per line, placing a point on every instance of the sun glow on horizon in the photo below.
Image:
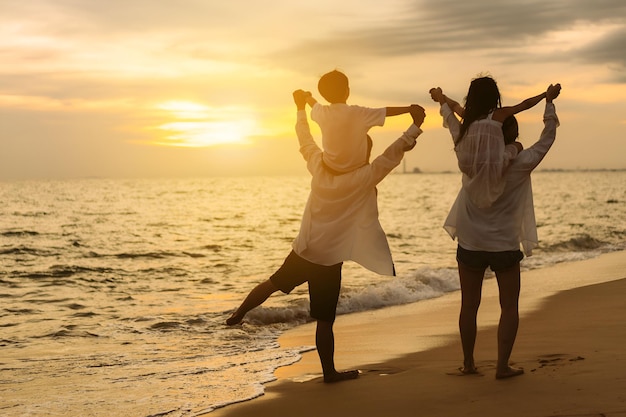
197	125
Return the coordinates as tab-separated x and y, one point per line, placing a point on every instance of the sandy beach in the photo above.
571	343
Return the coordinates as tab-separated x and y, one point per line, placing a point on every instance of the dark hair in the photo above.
510	129
483	97
333	86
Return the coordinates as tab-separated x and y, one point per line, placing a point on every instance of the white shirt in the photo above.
344	133
483	159
510	220
340	221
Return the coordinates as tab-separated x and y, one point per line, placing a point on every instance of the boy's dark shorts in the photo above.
497	261
324	284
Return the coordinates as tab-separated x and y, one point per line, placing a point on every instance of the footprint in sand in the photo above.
556	360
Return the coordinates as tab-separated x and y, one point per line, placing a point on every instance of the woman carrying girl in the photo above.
482	155
491	236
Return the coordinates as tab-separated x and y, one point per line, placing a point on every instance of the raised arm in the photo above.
502	113
455	106
447	113
528	159
392	156
437	95
308	147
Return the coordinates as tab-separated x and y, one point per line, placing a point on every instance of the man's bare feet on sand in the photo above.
509	373
341	376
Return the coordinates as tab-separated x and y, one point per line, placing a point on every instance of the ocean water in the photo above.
114	292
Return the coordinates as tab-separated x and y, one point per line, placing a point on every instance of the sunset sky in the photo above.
144	88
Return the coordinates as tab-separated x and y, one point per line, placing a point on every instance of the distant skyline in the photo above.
200	88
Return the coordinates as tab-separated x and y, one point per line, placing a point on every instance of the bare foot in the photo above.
341	376
465	371
509	373
234	319
468	370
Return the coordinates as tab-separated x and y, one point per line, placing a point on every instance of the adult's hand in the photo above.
418	114
299	97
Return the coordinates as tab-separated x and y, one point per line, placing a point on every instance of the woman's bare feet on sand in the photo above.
509	373
468	370
465	371
341	376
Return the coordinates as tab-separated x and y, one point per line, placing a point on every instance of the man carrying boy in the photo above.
344	127
340	223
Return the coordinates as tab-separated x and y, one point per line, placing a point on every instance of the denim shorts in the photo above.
497	261
324	284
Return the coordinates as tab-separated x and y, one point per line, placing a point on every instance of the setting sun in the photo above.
197	125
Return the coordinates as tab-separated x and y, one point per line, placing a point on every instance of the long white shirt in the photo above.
344	133
510	220
340	221
483	158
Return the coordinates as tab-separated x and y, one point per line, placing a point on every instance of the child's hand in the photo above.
553	92
436	94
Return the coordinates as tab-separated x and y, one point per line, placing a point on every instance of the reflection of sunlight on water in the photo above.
115	292
198	125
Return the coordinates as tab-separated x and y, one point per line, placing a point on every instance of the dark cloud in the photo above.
611	50
495	29
453	26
